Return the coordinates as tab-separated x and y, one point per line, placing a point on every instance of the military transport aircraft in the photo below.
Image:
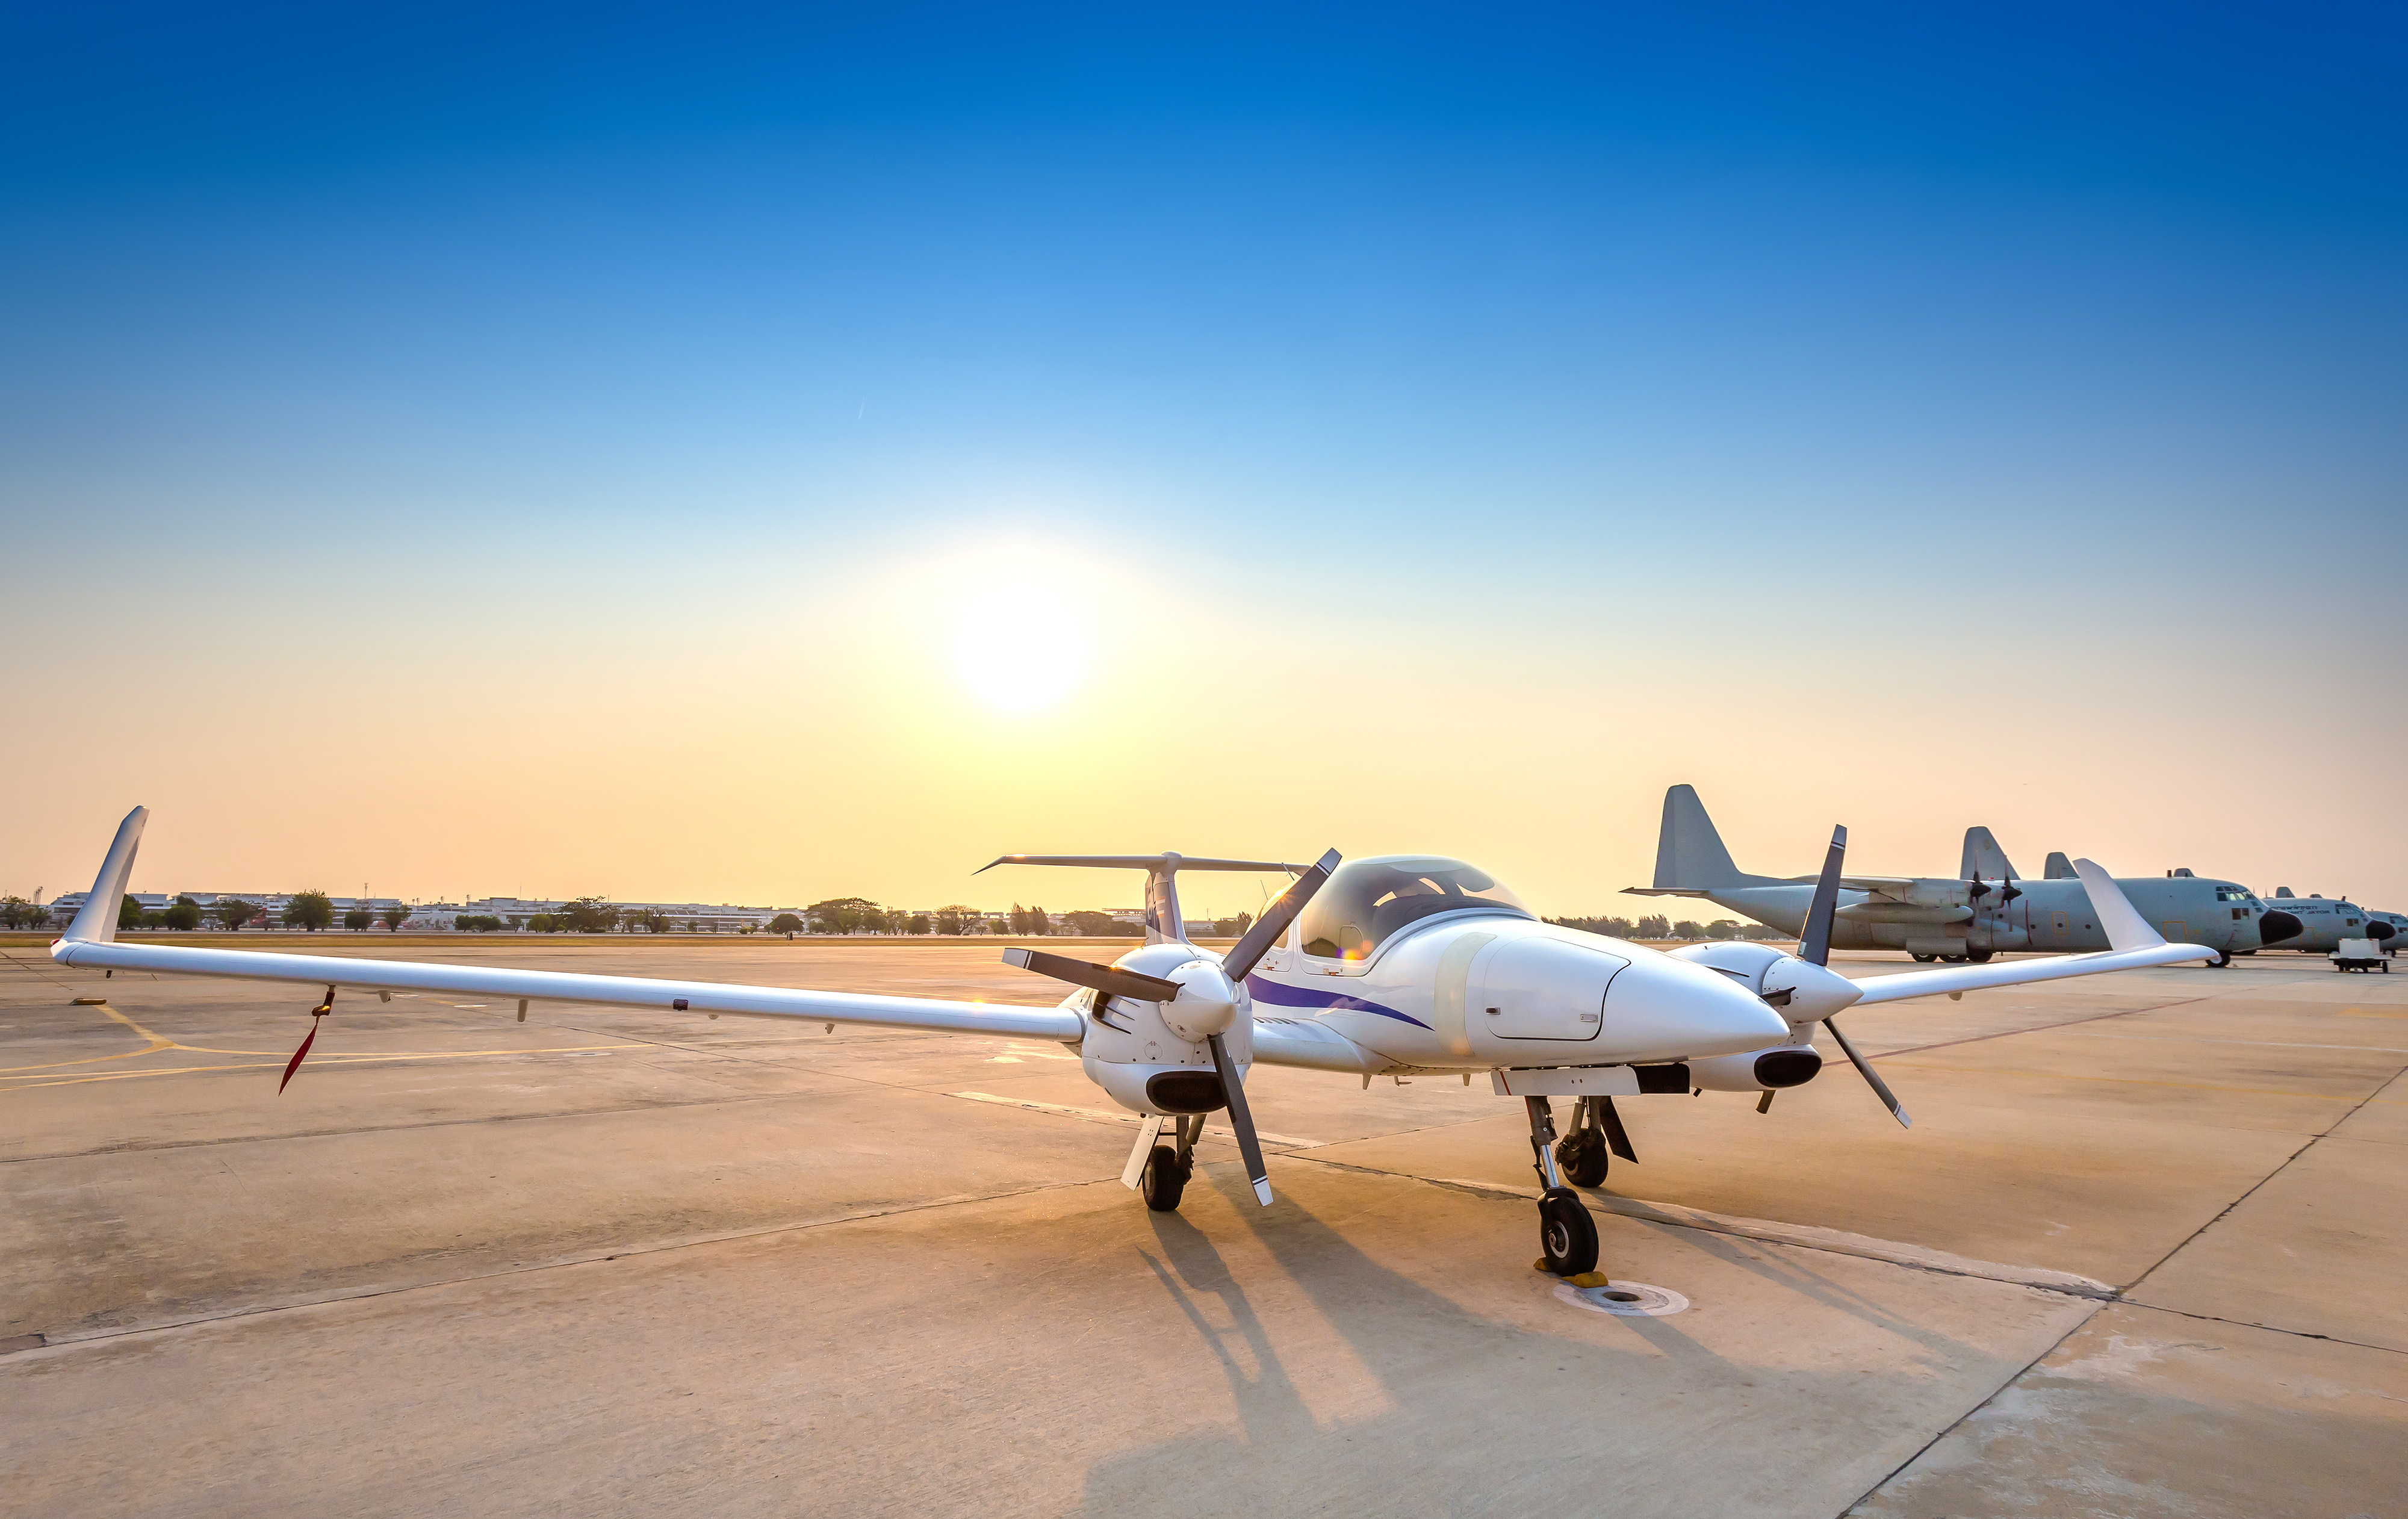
2326	920
1971	918
1392	966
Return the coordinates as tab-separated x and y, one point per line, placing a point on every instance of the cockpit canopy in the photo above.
1367	902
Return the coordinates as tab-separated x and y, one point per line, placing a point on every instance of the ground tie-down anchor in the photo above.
298	1056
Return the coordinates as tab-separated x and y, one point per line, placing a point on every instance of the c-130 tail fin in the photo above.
1986	859
1689	853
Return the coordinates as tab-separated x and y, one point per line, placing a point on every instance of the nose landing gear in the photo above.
1566	1233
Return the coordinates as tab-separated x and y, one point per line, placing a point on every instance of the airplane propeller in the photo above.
1236	964
1814	946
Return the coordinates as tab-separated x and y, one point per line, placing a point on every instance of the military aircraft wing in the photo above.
2133	944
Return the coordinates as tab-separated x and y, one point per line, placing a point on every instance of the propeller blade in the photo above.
1815	944
1267	930
1249	1147
303	1054
1865	1069
1110	979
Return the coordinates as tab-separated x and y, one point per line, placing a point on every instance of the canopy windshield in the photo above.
1367	902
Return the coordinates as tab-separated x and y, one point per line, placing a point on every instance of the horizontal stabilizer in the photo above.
1140	862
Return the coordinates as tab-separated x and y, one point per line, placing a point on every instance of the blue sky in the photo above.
1996	380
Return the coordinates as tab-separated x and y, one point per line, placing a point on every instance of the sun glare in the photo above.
1021	648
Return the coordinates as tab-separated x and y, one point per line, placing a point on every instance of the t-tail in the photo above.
1163	923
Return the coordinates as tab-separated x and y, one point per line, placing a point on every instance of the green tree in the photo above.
919	924
358	918
1723	928
129	913
844	914
1685	929
1652	926
588	915
16	912
393	917
311	911
232	912
786	923
183	915
1092	925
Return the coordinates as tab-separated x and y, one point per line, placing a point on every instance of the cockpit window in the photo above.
1367	902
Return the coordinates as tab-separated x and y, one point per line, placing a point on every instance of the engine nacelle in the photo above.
1758	1070
1804	992
1151	1057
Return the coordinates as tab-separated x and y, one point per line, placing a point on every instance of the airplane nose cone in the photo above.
2274	927
1663	1009
2378	930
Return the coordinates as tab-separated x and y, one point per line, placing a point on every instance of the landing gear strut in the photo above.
1566	1233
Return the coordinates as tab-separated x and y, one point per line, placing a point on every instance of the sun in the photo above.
1020	648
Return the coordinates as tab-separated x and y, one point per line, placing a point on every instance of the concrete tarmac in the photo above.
2141	1255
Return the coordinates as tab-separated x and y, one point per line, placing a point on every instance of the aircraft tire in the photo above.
1953	959
1980	957
1164	1180
2223	961
1924	959
1567	1233
1582	1155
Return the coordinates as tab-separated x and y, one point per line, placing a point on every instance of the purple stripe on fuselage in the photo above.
1281	995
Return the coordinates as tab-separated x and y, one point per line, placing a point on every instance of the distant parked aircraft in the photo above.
2324	922
1971	918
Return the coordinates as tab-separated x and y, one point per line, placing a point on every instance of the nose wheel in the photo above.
1165	1179
1567	1233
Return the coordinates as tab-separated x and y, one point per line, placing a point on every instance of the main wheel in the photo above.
1980	957
1566	1233
1924	959
1164	1180
2220	961
1583	1157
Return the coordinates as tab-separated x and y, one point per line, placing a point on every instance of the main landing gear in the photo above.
1167	1167
1566	1233
1596	1133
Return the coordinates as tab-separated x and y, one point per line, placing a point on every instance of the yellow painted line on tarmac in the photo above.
2133	1081
157	1044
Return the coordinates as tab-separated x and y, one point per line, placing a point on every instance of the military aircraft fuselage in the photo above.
1943	916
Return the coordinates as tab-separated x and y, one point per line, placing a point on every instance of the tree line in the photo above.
1655	925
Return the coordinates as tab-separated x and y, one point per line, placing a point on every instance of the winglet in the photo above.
2126	928
97	921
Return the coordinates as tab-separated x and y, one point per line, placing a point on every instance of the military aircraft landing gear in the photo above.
1566	1233
1924	959
1169	1166
2222	961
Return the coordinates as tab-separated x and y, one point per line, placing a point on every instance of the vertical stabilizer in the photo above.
2058	867
97	920
1689	853
1986	859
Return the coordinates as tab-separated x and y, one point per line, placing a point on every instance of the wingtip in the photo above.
1263	1193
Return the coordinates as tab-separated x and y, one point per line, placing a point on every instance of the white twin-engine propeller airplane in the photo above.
1398	965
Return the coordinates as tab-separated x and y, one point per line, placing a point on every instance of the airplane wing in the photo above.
90	942
2132	944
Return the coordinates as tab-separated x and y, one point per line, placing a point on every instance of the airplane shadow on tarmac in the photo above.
1480	1413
